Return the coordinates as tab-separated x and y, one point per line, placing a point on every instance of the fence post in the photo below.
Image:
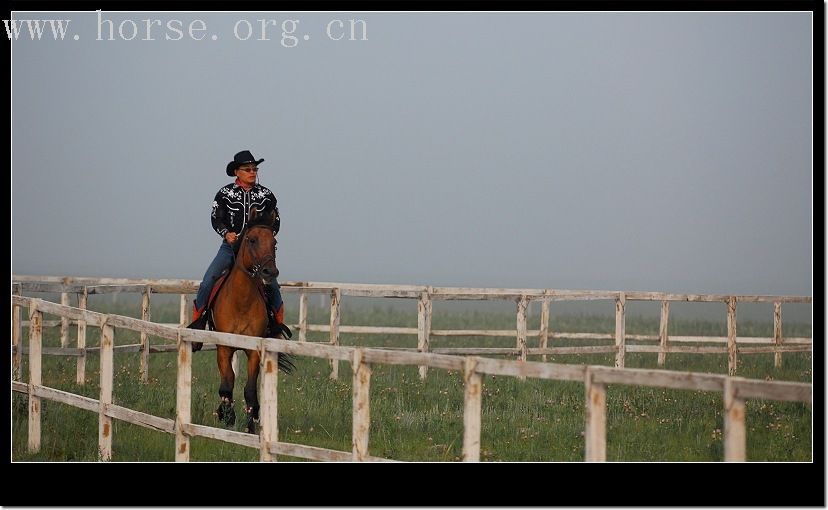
361	406
234	362
182	311
145	343
106	373
522	305
777	333
472	397
269	391
596	419
734	425
424	308
303	316
64	321
731	335
334	338
183	393
35	374
17	345
544	327
80	376
620	337
662	332
18	356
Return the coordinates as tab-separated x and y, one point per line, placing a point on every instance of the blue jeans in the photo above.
223	260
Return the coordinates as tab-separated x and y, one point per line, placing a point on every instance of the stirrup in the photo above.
281	329
275	328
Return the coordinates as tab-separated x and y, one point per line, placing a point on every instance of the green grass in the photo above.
416	420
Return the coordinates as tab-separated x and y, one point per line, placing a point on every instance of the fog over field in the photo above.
577	150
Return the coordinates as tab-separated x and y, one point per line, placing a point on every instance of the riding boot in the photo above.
276	323
280	314
199	318
277	329
199	322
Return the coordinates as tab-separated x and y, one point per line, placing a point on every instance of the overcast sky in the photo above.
619	151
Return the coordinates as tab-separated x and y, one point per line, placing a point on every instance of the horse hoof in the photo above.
226	414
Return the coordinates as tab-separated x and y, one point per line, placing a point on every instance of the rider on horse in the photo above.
231	211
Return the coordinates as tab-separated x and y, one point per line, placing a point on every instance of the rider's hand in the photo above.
231	237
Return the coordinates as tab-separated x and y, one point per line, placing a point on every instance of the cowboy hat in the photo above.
241	158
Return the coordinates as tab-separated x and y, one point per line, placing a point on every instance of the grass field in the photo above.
418	420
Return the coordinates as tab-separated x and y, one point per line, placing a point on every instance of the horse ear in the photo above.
253	213
271	218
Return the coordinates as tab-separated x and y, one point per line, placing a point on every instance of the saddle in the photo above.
275	319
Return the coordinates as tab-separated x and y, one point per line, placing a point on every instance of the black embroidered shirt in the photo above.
231	207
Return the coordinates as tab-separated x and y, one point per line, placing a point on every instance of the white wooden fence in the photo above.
594	378
425	296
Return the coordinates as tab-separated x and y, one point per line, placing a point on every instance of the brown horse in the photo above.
240	307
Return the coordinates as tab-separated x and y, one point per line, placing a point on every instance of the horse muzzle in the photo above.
269	273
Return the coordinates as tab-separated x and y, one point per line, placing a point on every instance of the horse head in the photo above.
256	252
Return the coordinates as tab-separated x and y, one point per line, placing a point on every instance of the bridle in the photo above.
258	264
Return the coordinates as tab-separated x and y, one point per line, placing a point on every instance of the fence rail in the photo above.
594	378
425	296
182	286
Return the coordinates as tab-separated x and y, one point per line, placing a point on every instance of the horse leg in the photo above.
251	396
225	411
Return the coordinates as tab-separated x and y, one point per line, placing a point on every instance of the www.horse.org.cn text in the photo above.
288	32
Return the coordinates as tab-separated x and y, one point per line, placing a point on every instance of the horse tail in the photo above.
286	363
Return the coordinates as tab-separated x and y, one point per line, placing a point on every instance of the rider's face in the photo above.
247	174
